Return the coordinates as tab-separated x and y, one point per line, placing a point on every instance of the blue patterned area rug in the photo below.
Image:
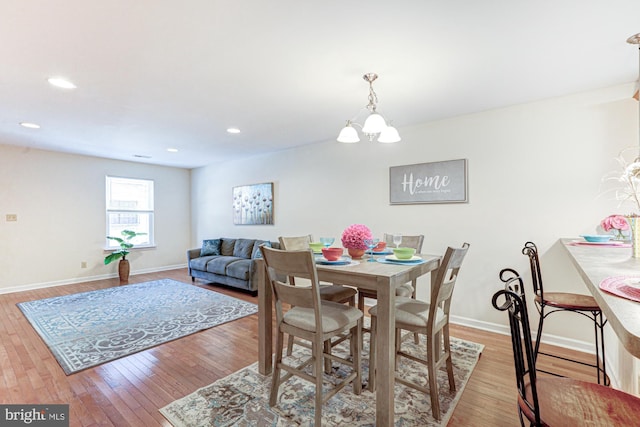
89	328
242	398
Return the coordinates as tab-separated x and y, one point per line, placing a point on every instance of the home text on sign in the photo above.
429	184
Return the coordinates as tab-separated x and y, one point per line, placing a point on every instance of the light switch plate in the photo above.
12	217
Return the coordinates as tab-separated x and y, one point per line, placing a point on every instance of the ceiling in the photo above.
161	74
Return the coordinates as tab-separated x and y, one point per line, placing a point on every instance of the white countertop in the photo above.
596	263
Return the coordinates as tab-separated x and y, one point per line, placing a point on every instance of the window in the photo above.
130	207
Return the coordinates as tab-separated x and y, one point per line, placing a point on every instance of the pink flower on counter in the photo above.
614	222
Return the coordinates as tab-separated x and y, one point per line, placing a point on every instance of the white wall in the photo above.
534	174
60	203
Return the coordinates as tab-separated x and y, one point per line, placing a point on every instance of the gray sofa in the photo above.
226	261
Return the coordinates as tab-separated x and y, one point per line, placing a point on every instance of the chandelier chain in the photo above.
373	98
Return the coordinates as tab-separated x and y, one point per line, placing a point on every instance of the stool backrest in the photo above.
531	250
523	354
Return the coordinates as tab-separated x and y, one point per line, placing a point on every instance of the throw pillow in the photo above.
210	247
243	248
256	248
227	246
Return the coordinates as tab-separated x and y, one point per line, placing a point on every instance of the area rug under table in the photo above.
89	328
242	398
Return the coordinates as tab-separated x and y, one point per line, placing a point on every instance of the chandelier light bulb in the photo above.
374	124
389	135
348	134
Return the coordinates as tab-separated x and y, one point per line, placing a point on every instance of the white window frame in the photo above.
110	210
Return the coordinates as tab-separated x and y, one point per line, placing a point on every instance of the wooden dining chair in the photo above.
552	400
430	319
312	319
553	302
328	292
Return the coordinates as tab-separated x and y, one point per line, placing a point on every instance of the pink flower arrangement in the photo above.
353	236
614	222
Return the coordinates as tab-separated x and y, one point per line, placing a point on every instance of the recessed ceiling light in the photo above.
61	82
233	130
172	150
29	125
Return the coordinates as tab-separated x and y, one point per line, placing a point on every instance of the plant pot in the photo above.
355	253
123	270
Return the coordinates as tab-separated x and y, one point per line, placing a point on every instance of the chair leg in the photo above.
356	350
372	356
433	379
414	284
539	333
318	363
327	361
599	341
398	345
290	345
447	349
361	301
275	379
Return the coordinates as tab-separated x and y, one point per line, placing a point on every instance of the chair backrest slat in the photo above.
295	243
300	264
446	277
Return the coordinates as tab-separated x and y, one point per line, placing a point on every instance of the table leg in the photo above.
265	322
385	357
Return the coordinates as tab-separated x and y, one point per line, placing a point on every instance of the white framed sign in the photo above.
435	182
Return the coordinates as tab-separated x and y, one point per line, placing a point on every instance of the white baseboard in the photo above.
75	280
583	346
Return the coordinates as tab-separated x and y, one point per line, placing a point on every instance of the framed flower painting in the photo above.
253	204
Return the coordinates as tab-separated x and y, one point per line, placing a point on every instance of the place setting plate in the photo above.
385	252
392	259
341	261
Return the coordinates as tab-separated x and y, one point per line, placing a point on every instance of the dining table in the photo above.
381	276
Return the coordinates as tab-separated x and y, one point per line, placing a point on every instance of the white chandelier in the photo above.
374	126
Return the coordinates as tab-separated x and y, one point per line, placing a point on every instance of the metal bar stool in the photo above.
553	302
553	401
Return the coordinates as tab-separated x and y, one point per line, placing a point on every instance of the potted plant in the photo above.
353	238
125	246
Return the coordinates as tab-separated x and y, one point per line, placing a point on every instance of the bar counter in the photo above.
596	263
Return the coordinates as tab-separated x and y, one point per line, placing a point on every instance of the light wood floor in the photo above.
129	391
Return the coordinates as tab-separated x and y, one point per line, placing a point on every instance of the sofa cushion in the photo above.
210	247
227	245
201	263
243	248
240	269
256	248
218	265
